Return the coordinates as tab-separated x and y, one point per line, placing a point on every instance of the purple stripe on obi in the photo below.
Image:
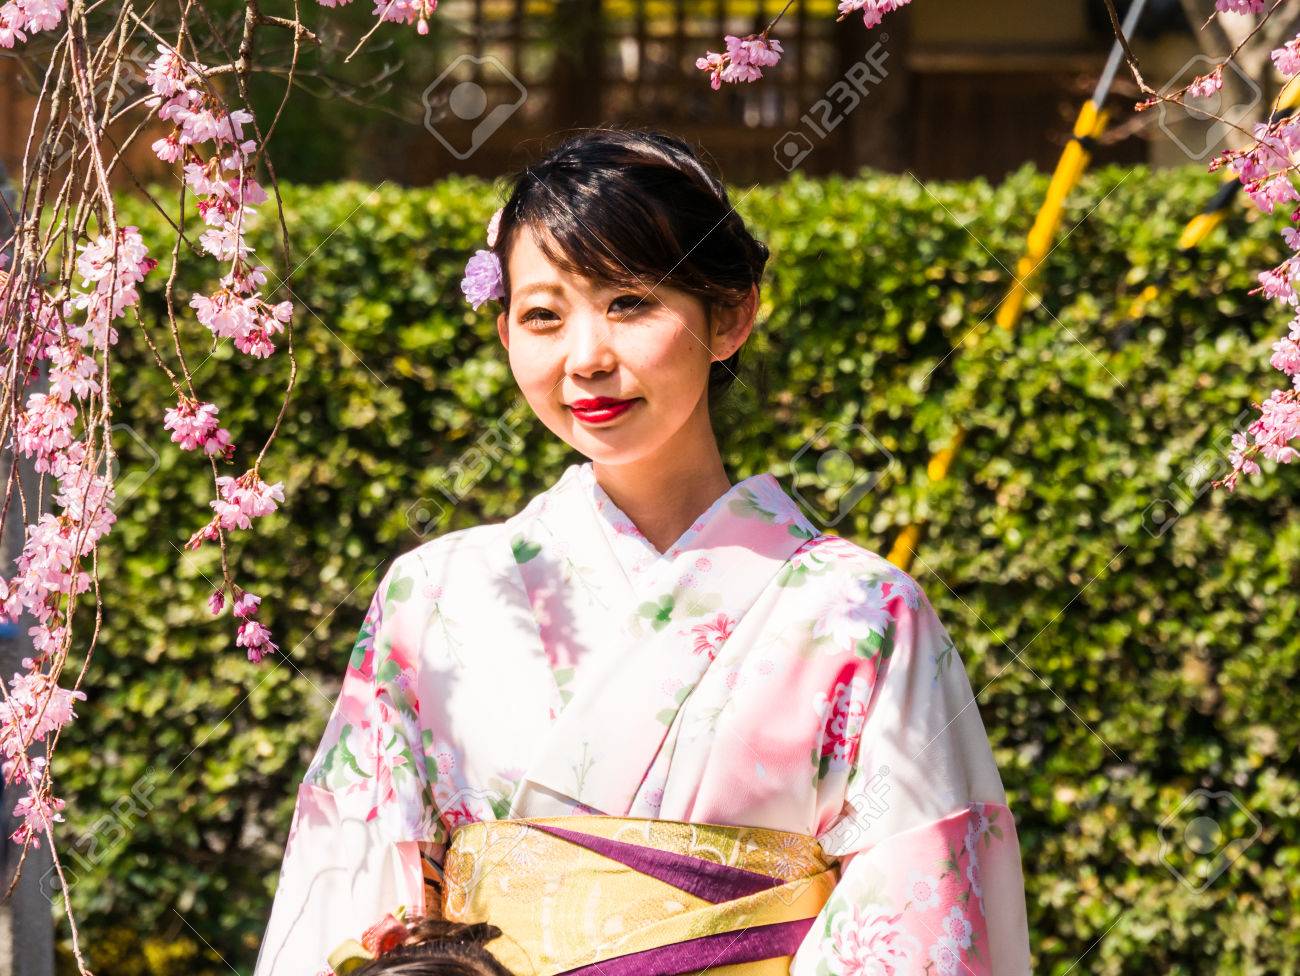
709	880
707	951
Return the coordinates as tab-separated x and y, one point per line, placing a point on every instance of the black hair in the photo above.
436	947
637	207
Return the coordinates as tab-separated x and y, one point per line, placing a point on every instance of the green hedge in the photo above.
1119	670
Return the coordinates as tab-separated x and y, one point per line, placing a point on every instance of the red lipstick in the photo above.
598	410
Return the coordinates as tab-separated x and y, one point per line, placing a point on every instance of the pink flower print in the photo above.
704	564
709	637
923	890
405	683
855	613
957	927
687	581
977	827
670	686
976	879
540	602
844	713
446	762
733	678
766	666
866	942
902	585
458	815
946	955
627	528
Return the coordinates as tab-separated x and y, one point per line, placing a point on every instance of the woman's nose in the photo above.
590	349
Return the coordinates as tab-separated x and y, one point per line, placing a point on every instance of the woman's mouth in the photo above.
599	410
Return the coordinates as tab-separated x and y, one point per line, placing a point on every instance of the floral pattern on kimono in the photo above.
757	672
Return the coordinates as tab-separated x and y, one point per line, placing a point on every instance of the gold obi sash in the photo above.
617	896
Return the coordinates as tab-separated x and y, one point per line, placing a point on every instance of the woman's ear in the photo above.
732	326
503	329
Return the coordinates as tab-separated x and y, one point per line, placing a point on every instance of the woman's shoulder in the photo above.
842	564
455	551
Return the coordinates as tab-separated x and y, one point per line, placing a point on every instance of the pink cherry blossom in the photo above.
45	428
743	60
1286	352
194	425
1240	6
240	500
244	498
407	12
1206	85
168	74
34	708
246	605
10	33
1287	57
873	11
32	16
257	639
246	319
38	813
72	373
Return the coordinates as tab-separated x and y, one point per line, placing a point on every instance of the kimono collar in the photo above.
638	556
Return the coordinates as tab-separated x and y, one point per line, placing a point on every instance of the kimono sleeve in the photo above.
363	819
930	874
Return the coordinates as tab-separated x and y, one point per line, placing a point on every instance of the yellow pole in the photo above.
1069	168
1074	160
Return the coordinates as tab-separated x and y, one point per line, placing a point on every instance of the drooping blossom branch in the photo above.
1264	168
70	287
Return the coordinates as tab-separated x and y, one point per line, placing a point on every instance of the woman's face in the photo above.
571	339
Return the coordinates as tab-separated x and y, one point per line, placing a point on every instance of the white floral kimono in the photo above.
759	673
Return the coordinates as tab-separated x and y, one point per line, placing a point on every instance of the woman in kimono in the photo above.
656	722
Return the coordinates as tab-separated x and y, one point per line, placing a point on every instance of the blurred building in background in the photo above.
944	89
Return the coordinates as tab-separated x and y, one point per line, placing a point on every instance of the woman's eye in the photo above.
535	314
633	303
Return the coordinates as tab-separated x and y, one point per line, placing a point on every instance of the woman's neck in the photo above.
665	493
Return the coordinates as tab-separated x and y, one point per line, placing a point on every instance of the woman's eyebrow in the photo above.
544	287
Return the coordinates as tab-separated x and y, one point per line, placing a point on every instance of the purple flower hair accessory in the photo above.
483	279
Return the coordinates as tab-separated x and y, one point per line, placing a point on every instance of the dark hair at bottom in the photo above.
437	947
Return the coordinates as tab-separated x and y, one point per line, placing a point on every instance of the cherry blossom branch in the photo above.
744	58
1264	169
